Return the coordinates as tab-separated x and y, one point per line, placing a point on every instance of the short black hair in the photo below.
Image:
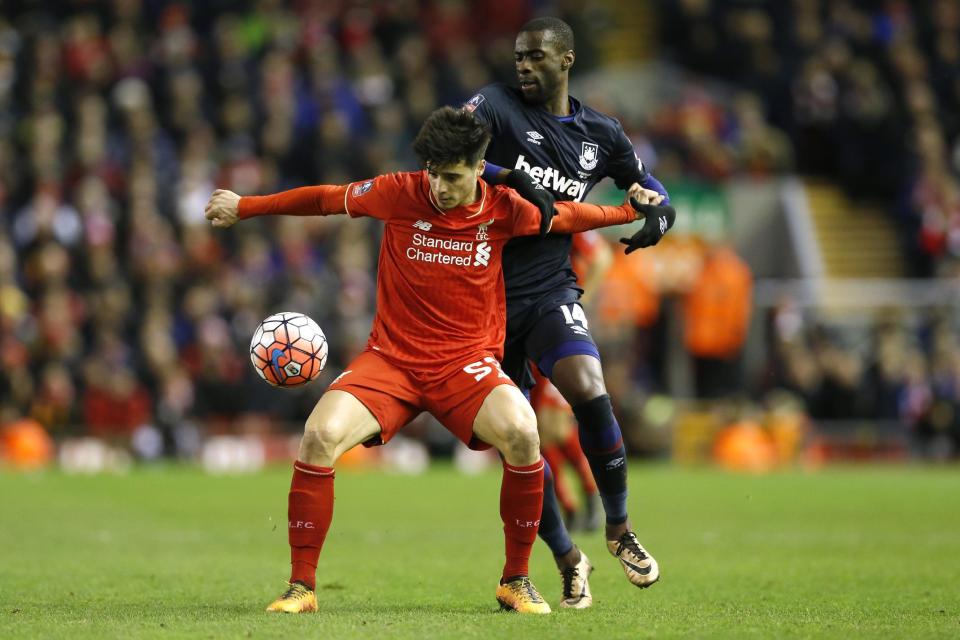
562	32
450	135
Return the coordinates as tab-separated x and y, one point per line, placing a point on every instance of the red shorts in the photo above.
395	396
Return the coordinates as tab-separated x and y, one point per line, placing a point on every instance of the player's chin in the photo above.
531	92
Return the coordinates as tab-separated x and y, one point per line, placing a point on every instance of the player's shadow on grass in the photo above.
402	610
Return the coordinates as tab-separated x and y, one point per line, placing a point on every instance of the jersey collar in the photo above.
574	111
469	211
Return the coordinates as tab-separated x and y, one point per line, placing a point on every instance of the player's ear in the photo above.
567	59
481	167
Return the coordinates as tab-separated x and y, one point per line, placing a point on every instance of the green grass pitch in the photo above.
170	552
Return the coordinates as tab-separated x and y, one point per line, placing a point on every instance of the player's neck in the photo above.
559	104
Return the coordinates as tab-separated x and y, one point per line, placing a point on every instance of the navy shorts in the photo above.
561	332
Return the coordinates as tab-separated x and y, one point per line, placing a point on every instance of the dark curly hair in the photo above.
450	135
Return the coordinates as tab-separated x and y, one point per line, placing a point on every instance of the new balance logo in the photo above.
663	225
534	137
423	226
482	257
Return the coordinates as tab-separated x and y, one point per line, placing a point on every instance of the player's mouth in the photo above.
529	85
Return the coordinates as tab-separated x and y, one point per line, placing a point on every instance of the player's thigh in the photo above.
507	422
564	350
369	402
479	404
338	422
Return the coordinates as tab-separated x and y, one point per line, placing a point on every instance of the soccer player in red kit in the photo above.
436	340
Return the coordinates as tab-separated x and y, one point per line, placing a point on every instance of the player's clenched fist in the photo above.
223	208
644	196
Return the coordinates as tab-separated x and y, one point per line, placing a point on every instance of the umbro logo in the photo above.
614	464
534	136
422	225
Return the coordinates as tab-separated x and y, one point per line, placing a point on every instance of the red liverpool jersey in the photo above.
440	293
440	288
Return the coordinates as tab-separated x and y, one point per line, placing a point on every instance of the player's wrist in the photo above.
243	208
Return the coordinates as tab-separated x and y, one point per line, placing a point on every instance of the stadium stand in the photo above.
119	308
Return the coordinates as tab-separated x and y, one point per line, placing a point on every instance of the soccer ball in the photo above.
288	349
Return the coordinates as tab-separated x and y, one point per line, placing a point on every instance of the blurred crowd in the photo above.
902	372
868	91
121	309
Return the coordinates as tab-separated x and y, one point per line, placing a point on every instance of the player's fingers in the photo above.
642	207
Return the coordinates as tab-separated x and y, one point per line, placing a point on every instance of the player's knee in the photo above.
579	379
521	443
321	443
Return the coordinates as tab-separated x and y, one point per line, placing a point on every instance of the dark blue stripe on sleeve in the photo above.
649	182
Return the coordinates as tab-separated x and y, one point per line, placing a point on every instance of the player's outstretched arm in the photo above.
574	217
225	208
533	192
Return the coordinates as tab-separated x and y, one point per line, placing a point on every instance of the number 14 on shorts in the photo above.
482	368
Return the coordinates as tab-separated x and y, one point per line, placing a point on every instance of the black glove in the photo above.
658	219
533	191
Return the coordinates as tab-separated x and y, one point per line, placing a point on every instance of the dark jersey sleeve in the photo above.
485	106
624	166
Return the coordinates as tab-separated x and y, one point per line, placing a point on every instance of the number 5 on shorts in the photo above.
482	368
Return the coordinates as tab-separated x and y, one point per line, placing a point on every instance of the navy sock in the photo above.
552	530
602	443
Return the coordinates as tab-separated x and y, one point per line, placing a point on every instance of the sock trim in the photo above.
536	467
313	470
601	452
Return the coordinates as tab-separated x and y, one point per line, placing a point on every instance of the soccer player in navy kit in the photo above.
543	133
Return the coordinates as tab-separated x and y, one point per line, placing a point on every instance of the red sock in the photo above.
309	512
573	453
521	501
554	457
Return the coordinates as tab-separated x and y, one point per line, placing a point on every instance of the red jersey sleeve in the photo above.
572	217
306	201
376	198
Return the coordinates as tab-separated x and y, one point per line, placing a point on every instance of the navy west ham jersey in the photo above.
567	155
